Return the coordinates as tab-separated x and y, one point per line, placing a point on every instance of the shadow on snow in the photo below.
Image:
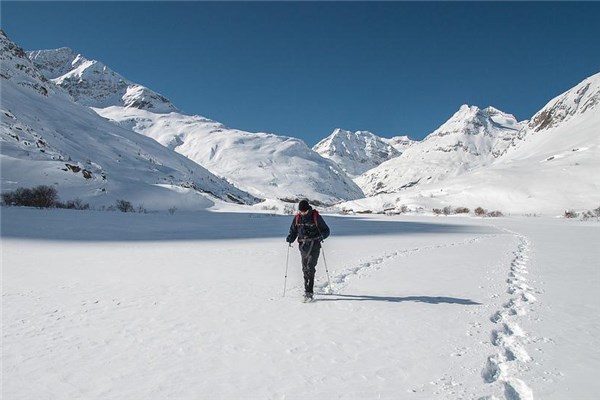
391	299
73	225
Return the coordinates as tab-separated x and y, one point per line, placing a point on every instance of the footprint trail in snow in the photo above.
507	336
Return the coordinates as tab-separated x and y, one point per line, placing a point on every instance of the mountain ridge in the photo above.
470	139
93	84
266	165
577	100
480	151
360	151
539	171
49	139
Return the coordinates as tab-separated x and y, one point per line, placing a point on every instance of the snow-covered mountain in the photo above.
357	152
479	157
48	139
93	84
470	139
266	165
580	100
552	165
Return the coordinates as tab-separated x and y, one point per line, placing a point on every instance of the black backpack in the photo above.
315	217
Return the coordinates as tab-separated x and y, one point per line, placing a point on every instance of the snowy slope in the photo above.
472	138
145	307
578	101
548	167
91	83
360	151
266	165
48	139
566	128
547	175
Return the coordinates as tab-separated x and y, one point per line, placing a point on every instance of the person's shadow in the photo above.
392	299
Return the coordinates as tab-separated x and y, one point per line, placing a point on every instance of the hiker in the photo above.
310	229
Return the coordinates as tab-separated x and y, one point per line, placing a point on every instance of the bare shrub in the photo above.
480	212
570	214
8	199
587	215
172	210
124	206
44	196
40	196
462	210
76	204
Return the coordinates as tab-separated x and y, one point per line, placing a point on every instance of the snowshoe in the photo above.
308	297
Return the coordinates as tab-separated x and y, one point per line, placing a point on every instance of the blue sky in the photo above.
303	69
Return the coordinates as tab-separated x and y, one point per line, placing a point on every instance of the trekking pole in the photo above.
326	269
287	259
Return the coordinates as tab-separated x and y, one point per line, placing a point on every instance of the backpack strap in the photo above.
315	215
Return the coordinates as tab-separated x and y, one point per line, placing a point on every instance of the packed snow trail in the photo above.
507	336
340	280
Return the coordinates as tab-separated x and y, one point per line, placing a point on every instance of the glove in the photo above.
289	239
322	239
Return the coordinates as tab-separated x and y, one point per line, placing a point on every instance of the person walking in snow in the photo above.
310	229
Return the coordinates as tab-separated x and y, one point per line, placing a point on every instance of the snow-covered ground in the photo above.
100	305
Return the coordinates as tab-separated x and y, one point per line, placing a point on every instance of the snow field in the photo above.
112	306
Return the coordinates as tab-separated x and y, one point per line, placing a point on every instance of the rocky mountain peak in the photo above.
356	152
472	138
14	65
471	120
578	100
53	63
94	84
49	139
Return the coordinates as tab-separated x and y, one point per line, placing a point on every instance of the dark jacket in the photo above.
307	231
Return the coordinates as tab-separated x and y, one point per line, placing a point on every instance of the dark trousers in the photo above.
310	256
